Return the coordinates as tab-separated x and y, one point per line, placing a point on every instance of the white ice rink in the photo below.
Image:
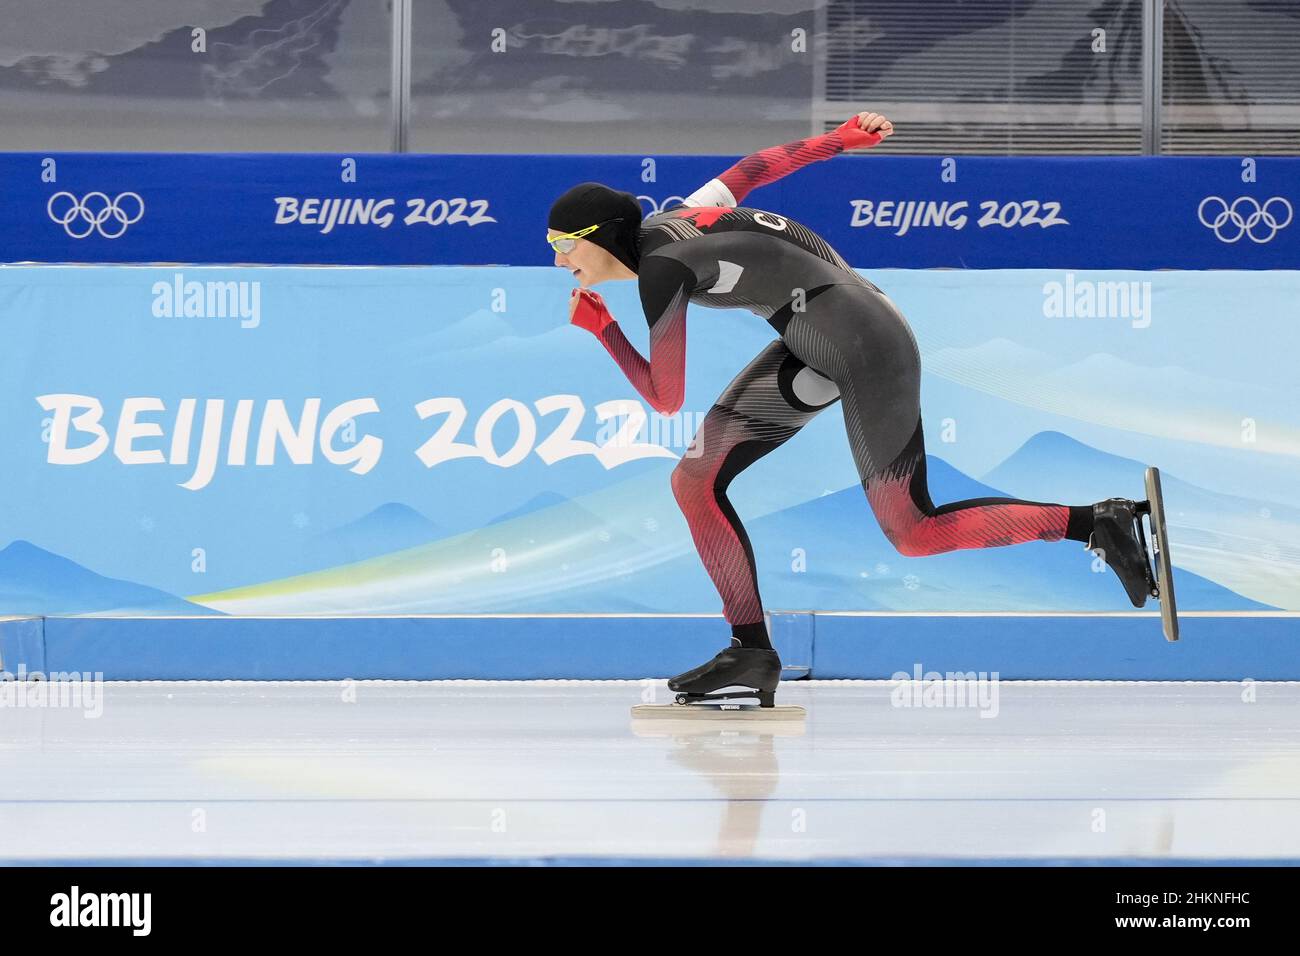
420	771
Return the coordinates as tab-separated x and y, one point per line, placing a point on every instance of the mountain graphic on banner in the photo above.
1248	545
36	581
595	555
390	527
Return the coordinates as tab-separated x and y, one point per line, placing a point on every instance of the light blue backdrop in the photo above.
1024	393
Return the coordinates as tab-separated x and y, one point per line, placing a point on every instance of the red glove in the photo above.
853	136
589	312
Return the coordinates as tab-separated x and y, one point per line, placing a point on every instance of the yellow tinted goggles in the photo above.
569	240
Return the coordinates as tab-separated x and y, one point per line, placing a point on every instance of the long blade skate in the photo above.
1162	579
704	711
666	720
725	703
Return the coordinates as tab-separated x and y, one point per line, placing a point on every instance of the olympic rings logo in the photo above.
1244	225
657	207
95	213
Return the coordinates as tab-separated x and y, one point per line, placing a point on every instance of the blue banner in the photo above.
194	440
877	210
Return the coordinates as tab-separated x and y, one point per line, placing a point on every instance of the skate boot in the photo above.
736	675
1118	538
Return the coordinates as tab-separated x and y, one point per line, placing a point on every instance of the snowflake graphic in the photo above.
882	569
300	520
911	582
650	524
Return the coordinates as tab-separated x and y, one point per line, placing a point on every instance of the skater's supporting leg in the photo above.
768	401
858	339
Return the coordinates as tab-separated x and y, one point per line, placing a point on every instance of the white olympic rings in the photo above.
95	210
1230	215
657	207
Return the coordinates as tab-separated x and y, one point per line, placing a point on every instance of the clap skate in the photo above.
738	682
1120	539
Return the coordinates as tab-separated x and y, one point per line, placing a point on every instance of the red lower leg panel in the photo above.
901	501
699	484
966	525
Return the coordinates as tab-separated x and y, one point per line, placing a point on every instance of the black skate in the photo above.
1120	539
738	673
727	686
1115	540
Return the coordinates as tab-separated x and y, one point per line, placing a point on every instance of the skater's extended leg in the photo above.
774	396
900	497
856	337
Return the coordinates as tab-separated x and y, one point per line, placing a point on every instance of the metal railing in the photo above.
1151	71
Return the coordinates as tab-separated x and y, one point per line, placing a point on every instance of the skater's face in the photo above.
589	263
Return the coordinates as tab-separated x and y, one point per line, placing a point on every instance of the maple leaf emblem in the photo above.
704	216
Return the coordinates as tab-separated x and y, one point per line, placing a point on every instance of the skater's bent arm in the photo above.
665	285
769	165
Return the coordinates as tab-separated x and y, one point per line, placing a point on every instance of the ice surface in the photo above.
471	769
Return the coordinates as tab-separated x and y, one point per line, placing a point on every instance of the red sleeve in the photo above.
665	285
769	165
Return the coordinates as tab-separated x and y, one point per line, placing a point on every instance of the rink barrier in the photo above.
825	645
22	644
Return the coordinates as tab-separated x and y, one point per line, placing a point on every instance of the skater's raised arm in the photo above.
769	165
665	285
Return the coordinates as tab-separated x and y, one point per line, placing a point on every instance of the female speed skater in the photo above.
840	339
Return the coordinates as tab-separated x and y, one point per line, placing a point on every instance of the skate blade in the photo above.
716	712
1164	569
728	728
